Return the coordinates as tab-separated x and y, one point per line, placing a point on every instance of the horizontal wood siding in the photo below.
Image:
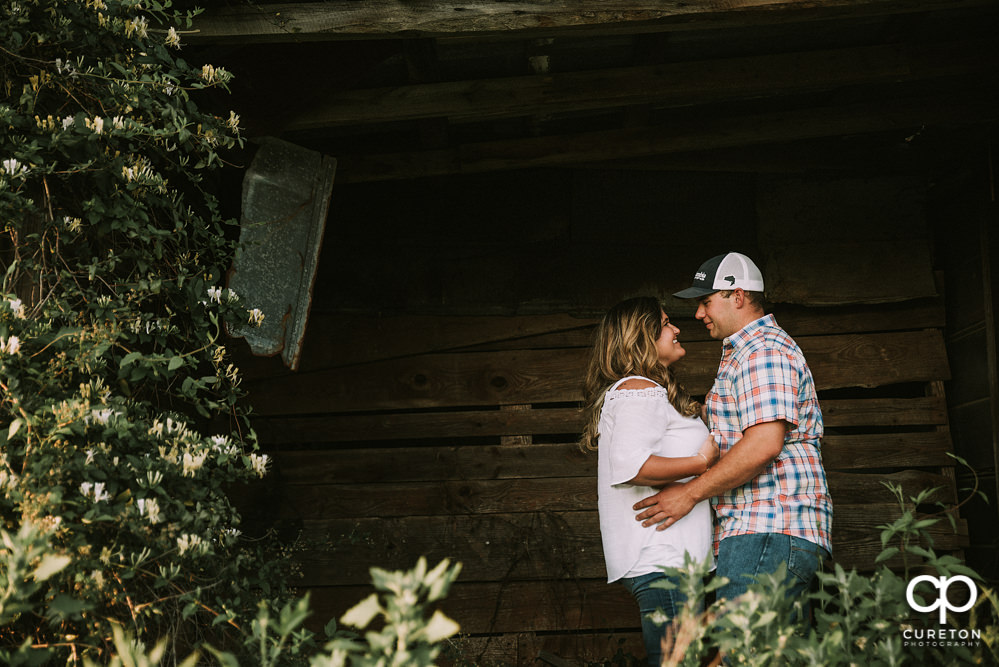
380	461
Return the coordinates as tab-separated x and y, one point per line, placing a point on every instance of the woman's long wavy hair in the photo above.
625	344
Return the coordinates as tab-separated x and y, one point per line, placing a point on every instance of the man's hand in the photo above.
666	507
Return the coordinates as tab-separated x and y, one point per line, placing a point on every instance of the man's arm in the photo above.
759	445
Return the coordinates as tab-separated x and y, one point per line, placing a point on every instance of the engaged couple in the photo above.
738	480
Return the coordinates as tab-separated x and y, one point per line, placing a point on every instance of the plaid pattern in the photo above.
762	378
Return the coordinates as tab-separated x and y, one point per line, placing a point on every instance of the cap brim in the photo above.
694	292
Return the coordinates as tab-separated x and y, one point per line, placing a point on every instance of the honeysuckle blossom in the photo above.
215	294
233	121
230	295
102	416
12	167
259	463
95	491
137	25
188	541
72	224
149	508
17	308
172	38
95	124
256	317
191	463
11	345
68	122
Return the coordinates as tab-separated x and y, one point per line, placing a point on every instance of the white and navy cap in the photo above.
724	272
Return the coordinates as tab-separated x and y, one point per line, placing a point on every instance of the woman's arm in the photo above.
661	470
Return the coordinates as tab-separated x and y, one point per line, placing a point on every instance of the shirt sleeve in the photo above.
639	423
766	388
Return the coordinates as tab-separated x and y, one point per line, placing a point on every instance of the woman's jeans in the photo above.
741	558
649	600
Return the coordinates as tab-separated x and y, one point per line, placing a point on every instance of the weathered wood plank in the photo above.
339	339
534	546
344	19
534	376
551	494
508	607
283	431
673	84
703	132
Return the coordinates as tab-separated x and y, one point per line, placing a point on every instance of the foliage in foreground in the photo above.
119	421
398	627
858	619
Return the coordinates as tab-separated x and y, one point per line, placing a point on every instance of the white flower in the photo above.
215	294
172	38
259	463
12	167
192	463
95	124
72	224
90	456
230	295
149	508
188	541
68	122
95	491
102	416
10	346
256	317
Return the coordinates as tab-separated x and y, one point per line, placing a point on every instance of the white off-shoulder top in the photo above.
634	424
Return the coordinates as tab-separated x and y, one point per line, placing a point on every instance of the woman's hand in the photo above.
709	452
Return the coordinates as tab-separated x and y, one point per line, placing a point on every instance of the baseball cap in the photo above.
724	272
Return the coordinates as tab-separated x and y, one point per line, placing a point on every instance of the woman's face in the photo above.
667	345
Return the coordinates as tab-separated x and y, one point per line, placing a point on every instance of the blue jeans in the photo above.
649	600
743	557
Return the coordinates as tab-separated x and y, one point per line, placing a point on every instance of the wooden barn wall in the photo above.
968	242
437	404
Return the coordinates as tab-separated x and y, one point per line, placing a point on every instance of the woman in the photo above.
648	433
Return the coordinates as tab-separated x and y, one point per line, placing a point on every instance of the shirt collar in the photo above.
743	335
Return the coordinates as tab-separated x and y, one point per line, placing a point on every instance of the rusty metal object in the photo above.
286	195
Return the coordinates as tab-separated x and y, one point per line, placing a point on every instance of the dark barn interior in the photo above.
506	171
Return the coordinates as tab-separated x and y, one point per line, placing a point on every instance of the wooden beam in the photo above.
520	547
666	85
697	132
326	429
381	19
549	494
554	376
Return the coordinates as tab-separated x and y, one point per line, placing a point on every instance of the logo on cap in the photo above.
700	275
730	279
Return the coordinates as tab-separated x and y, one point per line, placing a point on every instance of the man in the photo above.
769	489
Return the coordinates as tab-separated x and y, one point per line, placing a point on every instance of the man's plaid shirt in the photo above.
762	378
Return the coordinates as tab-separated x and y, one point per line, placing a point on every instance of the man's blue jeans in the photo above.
649	600
743	557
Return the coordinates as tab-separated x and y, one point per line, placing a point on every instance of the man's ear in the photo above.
739	297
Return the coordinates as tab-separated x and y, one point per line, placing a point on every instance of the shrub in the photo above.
120	425
858	619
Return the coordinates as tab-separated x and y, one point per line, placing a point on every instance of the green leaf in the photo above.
50	565
363	612
175	363
15	426
130	358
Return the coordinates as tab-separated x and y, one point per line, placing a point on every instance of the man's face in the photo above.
718	314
